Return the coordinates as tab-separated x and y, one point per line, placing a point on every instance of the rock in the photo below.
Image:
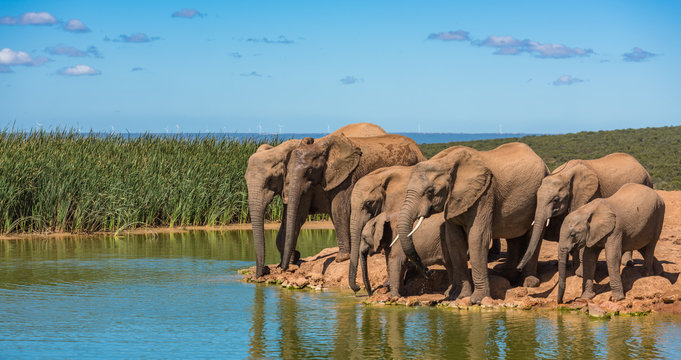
527	303
595	311
464	302
648	287
517	292
671	296
498	286
488	302
611	307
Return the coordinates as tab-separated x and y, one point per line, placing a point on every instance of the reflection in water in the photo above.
178	295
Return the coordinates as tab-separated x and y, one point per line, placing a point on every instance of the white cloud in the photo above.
566	80
9	57
133	38
508	45
637	55
458	35
79	70
349	80
72	51
30	18
75	25
187	13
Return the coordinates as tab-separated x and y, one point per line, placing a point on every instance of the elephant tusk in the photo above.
532	223
395	240
547	222
416	227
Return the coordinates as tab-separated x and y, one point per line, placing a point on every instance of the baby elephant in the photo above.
630	219
379	234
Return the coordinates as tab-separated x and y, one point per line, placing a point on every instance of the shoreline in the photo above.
311	225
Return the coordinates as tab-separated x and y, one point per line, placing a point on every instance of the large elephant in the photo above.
265	178
574	184
379	234
489	194
328	169
631	219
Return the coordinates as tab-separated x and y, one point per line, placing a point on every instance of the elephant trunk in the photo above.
292	213
358	219
365	270
408	214
562	263
257	205
540	220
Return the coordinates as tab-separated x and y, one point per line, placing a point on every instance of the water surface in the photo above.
179	296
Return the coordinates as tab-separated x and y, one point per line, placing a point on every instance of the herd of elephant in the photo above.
383	194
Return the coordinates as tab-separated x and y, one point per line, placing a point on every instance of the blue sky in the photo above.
305	66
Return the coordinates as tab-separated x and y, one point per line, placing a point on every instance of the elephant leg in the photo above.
577	255
396	271
386	253
456	245
479	237
529	273
627	259
613	257
495	251
302	217
281	235
650	264
340	216
589	259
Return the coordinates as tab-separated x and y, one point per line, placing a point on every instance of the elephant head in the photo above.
380	191
586	226
265	178
569	187
375	235
452	181
327	163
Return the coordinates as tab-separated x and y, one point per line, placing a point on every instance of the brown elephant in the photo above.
488	194
265	178
378	234
631	219
327	171
574	184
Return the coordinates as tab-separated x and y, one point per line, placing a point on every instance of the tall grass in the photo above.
67	181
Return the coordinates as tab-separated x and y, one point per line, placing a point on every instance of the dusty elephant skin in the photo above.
328	170
657	293
485	195
574	184
631	219
265	178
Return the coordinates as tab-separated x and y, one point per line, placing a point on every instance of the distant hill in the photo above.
658	149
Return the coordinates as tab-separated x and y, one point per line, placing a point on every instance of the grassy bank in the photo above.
66	181
69	182
658	149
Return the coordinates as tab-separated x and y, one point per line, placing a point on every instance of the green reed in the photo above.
68	181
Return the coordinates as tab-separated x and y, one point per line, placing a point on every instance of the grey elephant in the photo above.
631	219
378	234
488	194
574	184
327	170
265	176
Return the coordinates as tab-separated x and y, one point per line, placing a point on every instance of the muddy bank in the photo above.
643	293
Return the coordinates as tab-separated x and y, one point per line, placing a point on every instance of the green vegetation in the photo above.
67	181
658	149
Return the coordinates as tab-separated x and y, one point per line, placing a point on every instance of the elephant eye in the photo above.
430	192
555	199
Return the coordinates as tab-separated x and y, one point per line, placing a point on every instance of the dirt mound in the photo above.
643	293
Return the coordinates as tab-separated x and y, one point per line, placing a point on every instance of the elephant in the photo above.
265	178
488	194
380	191
326	171
574	184
378	234
631	219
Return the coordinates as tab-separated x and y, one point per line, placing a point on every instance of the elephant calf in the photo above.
378	234
631	219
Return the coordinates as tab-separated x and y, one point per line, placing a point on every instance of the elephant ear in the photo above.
343	157
378	231
601	224
584	186
264	147
470	178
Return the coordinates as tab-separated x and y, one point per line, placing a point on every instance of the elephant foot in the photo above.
478	295
342	257
657	268
588	294
617	296
264	271
531	281
627	260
